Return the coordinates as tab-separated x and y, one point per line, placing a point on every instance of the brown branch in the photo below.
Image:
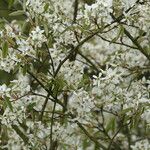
76	3
134	41
75	49
89	61
51	130
117	42
88	134
44	106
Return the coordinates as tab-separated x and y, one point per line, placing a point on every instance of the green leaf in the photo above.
24	69
8	103
111	125
147	49
120	33
10	3
85	81
26	28
58	85
137	117
30	106
15	70
125	111
4	49
17	13
46	28
46	6
20	133
50	41
85	144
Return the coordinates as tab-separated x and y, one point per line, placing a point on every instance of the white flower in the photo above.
141	145
100	10
10	31
146	116
24	46
37	37
36	5
4	90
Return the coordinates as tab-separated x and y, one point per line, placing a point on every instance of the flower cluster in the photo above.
75	75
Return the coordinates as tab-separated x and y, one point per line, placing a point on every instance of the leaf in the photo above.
147	49
125	111
11	42
50	41
15	70
10	3
21	134
120	33
4	49
24	69
85	81
58	85
17	13
8	103
46	29
46	6
24	5
26	27
137	117
85	144
30	106
111	124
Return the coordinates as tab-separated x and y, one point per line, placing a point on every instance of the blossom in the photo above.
4	90
24	46
37	37
75	78
142	144
37	5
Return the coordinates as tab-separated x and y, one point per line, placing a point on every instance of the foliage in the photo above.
74	74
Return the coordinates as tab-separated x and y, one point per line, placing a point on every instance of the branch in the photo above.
53	68
75	10
21	134
53	100
89	61
51	130
118	43
134	41
88	134
40	83
44	106
75	49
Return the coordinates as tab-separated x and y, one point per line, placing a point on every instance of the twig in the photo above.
75	10
88	60
51	129
88	134
75	49
134	41
52	63
44	106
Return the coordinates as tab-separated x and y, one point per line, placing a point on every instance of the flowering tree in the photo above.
80	75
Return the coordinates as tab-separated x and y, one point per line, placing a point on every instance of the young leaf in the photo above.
17	13
4	49
111	125
8	103
120	33
46	7
24	69
10	3
20	133
46	29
